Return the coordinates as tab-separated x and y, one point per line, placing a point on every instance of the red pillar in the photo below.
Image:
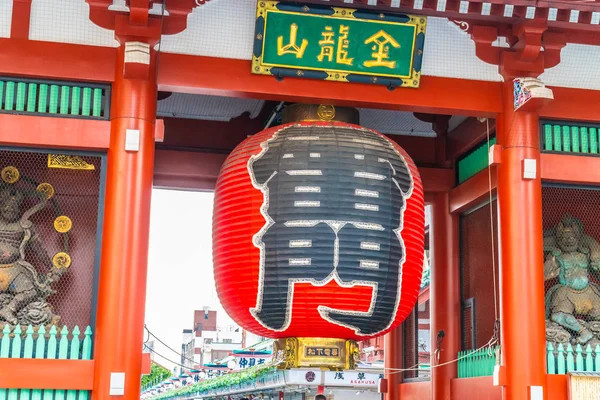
444	295
521	255
122	288
392	353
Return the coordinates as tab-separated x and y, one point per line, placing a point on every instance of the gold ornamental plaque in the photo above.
67	161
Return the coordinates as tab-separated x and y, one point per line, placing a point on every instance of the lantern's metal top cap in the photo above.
321	113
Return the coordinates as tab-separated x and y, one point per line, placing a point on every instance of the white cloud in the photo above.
180	273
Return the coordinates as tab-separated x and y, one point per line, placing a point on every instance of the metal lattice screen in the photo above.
477	280
571	265
410	338
49	209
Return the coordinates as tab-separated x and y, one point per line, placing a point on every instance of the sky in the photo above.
180	271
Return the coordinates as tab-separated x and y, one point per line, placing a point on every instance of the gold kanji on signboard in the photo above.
292	47
381	49
327	46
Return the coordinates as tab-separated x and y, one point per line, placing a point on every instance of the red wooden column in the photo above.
523	373
122	288
392	353
444	296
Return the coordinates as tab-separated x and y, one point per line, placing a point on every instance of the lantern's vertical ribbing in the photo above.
353	187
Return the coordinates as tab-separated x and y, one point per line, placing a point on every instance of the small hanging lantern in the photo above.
318	232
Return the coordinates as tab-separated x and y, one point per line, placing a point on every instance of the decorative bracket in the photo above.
484	37
139	18
525	56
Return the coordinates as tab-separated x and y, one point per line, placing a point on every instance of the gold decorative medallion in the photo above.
10	174
69	162
63	224
47	189
316	113
326	112
61	260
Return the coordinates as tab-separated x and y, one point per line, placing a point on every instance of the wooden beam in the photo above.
219	76
229	77
436	180
61	133
420	149
19	373
566	168
57	60
467	135
473	192
573	104
562	168
187	170
54	132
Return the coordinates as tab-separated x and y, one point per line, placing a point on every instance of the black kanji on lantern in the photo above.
334	200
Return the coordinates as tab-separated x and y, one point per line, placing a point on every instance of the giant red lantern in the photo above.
318	231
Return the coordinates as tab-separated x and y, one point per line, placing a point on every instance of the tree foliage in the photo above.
157	374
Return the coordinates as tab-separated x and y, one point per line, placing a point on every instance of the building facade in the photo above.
212	342
187	350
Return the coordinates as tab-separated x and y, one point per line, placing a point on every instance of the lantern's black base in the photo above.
322	112
325	353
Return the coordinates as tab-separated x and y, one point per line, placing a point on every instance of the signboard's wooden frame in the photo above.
280	72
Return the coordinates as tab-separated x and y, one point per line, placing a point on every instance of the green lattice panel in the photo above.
42	344
27	96
474	162
568	137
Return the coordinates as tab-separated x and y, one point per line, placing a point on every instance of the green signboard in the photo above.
338	44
